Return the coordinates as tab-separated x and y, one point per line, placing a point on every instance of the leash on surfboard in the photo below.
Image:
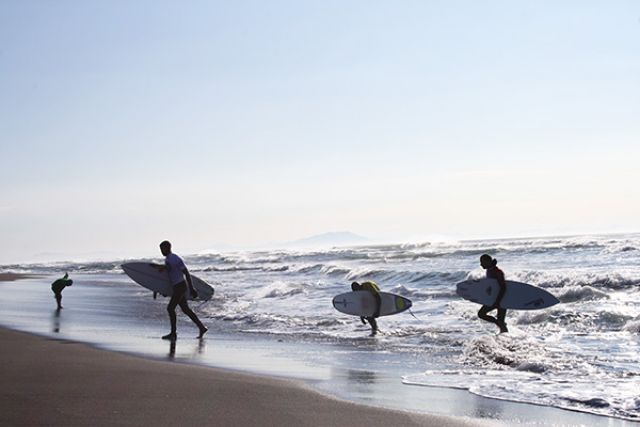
414	316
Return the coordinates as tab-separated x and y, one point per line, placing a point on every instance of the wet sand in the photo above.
53	382
10	277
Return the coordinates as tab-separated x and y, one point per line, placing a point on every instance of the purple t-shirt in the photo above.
175	265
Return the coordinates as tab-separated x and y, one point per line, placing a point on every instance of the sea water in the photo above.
582	354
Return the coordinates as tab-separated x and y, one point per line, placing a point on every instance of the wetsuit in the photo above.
495	273
375	290
58	286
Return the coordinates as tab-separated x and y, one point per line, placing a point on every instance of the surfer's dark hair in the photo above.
355	286
165	243
487	257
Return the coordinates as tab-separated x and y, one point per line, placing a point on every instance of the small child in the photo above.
58	286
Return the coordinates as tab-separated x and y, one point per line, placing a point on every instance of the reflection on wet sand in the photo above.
55	322
360	383
361	377
198	350
172	349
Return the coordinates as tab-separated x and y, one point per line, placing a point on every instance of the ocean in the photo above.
272	310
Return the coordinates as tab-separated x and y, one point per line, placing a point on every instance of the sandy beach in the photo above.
54	382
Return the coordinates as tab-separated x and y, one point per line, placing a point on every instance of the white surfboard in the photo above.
518	296
150	277
363	303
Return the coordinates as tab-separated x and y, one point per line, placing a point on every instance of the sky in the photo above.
247	122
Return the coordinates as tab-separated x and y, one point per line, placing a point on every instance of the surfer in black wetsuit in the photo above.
493	272
58	286
375	290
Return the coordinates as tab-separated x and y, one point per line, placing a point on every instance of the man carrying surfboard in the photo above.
178	272
493	272
375	290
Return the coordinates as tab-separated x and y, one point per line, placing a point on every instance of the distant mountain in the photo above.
334	238
325	240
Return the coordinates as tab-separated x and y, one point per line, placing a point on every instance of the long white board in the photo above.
363	303
150	277
518	296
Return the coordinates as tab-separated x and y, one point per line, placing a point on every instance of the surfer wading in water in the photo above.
375	290
178	272
493	272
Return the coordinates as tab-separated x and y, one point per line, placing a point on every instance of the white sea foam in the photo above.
580	293
632	326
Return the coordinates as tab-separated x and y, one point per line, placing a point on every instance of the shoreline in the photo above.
57	382
351	377
12	277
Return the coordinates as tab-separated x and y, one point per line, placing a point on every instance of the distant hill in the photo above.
325	240
334	238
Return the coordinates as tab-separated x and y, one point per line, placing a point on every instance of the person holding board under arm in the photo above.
375	290
178	272
493	272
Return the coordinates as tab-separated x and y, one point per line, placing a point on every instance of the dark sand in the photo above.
10	277
62	383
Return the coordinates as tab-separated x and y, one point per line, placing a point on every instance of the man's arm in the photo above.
502	291
187	275
159	267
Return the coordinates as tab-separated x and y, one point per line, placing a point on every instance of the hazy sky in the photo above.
244	122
